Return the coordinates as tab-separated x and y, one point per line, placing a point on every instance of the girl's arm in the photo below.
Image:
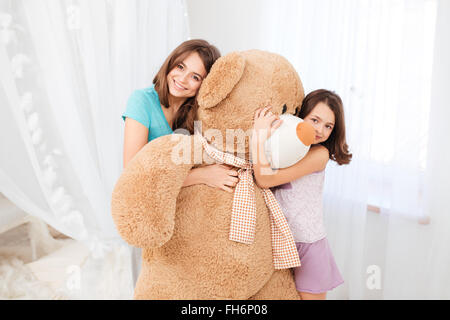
315	160
135	138
217	176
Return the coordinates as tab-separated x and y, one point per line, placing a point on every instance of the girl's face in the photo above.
322	119
185	79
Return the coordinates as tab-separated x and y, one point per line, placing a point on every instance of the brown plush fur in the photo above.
184	231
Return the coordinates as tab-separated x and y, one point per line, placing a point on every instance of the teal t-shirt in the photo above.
144	107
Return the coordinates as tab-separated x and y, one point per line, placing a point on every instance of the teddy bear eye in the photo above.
284	109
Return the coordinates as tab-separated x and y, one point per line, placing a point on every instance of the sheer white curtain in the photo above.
378	56
67	69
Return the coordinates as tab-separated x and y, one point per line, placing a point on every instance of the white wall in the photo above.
230	25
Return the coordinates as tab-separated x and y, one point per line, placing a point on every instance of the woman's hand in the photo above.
265	123
215	175
221	176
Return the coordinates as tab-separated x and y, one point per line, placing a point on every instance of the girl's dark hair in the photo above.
188	110
336	143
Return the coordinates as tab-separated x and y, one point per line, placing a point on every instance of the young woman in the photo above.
301	187
169	104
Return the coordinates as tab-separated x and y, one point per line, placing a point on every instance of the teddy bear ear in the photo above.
223	76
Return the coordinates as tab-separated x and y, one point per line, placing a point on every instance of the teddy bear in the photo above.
185	232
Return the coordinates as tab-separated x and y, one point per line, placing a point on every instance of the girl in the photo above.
301	187
169	104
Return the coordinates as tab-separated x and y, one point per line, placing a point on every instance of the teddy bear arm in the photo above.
281	286
144	198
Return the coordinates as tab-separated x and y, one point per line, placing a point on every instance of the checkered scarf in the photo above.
243	216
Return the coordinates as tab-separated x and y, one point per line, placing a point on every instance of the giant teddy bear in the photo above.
184	231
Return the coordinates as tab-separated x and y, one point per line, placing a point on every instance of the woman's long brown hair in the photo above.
188	110
336	142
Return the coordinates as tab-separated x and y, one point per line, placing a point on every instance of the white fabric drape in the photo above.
378	56
418	255
67	69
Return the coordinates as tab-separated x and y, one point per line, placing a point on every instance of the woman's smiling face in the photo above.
185	79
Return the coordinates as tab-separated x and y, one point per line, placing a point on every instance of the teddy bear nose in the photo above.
305	132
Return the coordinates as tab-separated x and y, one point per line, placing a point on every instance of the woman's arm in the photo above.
135	138
216	176
315	160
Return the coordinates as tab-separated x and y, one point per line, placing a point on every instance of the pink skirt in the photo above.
318	272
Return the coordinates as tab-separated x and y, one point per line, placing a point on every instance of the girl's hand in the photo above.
220	176
265	123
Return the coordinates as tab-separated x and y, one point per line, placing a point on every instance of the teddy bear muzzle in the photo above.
290	142
305	133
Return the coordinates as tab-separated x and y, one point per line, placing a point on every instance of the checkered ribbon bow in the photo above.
243	216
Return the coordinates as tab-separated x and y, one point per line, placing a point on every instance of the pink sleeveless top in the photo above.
301	202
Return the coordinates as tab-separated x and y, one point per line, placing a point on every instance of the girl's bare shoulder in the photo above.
319	152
